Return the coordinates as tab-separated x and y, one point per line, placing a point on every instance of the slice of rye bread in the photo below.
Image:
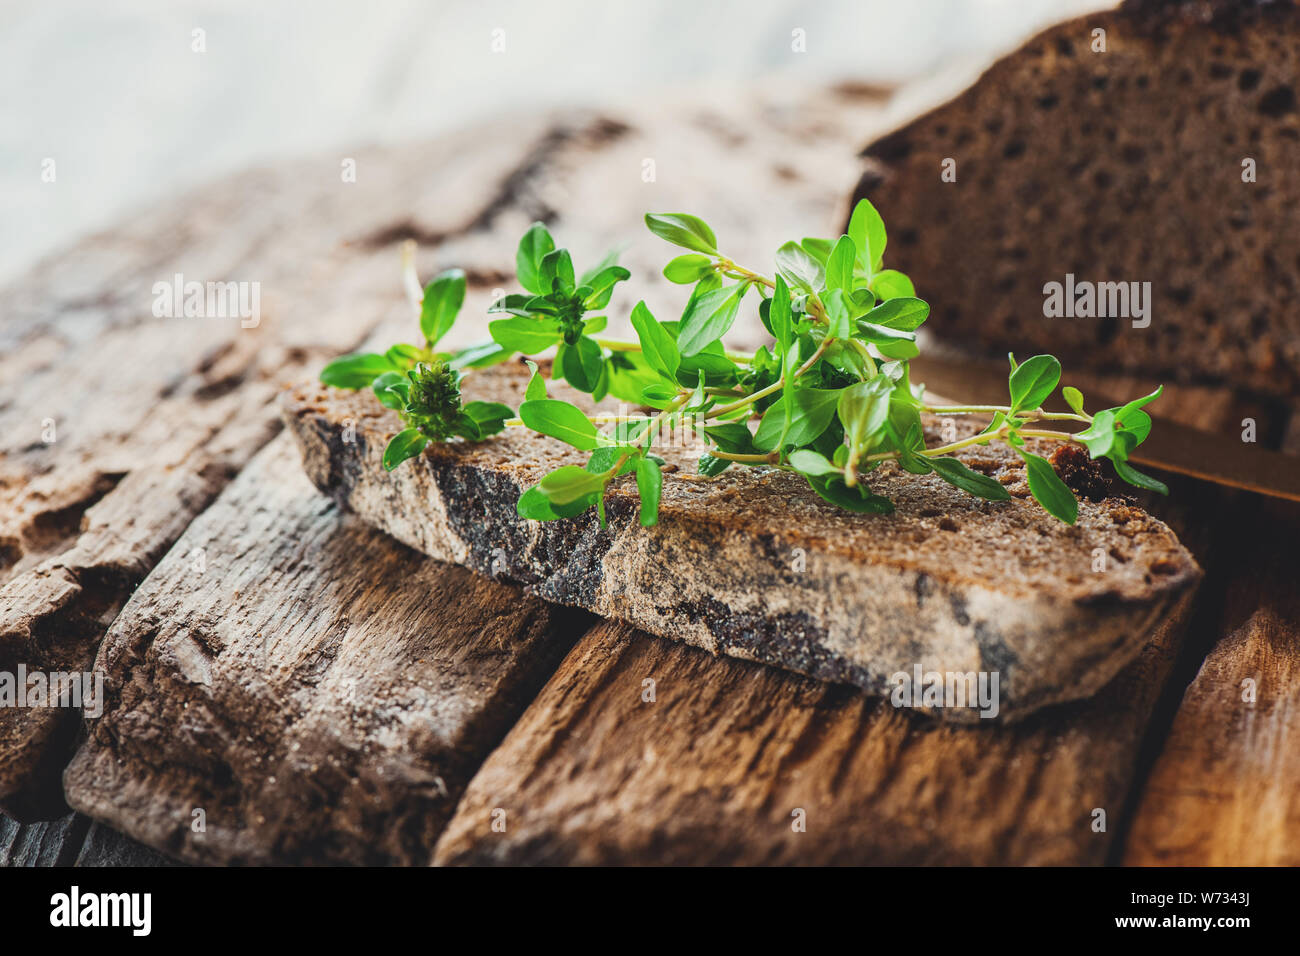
1120	166
753	564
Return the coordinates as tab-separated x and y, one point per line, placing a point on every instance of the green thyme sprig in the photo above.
554	313
422	384
829	398
428	399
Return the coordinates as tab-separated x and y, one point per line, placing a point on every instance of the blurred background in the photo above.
118	95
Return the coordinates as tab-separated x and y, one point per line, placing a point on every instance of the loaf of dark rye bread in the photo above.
1119	166
753	564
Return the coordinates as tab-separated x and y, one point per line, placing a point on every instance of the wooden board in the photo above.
162	414
712	769
71	840
1225	791
716	768
312	692
152	417
44	843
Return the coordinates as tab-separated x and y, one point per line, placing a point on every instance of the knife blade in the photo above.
1171	446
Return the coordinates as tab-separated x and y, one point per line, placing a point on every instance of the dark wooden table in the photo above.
289	685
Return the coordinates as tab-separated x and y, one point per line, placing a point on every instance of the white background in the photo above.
113	92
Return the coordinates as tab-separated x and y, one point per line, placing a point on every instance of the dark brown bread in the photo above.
755	565
1127	166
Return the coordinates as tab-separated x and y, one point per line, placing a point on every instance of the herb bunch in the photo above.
829	398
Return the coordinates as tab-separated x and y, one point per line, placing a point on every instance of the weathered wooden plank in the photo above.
716	769
312	692
71	840
1225	790
160	413
105	847
152	416
118	426
44	843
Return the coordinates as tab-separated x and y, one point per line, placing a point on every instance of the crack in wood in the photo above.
518	189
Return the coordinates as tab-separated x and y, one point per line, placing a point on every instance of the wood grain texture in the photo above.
1225	791
152	417
712	770
70	840
318	692
105	847
161	414
44	843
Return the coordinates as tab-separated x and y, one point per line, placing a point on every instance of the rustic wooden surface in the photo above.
159	425
1226	789
44	843
313	693
717	767
153	416
71	840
